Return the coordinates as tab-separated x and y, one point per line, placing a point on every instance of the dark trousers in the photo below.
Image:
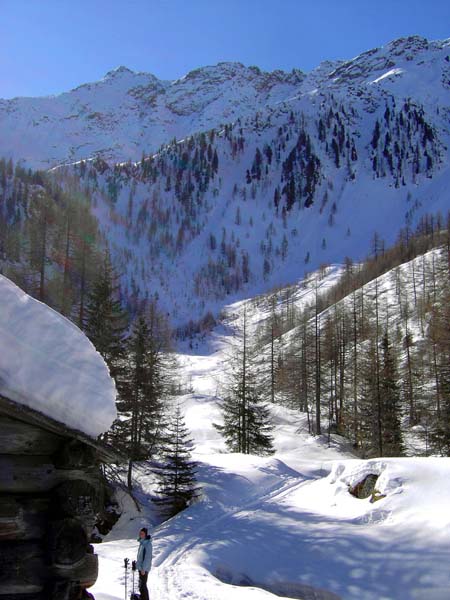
143	586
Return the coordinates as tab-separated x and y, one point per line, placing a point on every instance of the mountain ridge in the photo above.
129	112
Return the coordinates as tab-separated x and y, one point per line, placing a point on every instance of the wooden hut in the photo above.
50	493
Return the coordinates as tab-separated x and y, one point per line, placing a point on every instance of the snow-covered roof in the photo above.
49	365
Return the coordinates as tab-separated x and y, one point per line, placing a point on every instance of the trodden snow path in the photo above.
286	526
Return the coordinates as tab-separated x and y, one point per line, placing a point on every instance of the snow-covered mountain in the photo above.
127	113
261	176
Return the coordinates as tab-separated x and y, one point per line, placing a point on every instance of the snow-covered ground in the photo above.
286	526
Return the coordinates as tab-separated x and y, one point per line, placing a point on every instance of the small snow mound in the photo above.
370	480
353	472
49	365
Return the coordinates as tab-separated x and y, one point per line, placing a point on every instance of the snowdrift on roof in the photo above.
48	364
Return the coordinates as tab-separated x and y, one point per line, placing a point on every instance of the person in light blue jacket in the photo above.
144	561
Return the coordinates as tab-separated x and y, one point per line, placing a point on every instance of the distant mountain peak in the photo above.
117	71
235	178
230	69
409	42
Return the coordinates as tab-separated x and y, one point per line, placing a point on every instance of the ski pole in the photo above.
133	569
125	562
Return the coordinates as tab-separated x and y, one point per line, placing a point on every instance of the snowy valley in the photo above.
235	237
286	526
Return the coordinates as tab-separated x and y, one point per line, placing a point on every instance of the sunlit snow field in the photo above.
286	526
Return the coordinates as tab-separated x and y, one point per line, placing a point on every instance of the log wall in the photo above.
50	494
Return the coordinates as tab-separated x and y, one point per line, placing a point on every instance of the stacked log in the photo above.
50	493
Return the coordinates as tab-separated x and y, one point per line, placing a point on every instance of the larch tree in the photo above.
439	334
40	233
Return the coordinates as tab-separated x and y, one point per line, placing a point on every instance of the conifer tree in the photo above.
106	321
367	408
246	420
176	472
85	258
40	232
440	437
145	387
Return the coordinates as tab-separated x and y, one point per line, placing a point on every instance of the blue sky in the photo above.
49	46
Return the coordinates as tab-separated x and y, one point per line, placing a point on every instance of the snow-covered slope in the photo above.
255	204
409	296
48	364
287	526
